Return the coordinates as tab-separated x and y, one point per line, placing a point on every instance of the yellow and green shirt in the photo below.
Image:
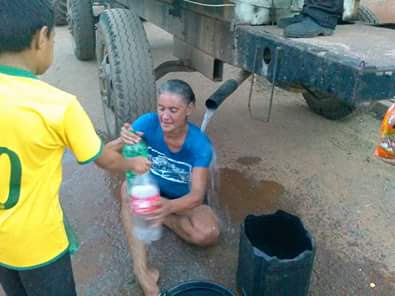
37	123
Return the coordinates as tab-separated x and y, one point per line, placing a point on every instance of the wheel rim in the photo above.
106	92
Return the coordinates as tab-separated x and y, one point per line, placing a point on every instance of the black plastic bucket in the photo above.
276	256
198	288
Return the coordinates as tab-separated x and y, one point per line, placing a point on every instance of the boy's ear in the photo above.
40	38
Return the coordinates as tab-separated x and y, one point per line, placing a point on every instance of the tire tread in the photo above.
131	63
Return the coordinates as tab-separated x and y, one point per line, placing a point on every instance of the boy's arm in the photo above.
111	159
80	137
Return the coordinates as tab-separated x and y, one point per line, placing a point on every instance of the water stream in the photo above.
206	119
213	186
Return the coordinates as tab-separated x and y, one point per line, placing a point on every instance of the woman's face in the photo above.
173	112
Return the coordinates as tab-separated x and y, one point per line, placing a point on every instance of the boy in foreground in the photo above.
37	123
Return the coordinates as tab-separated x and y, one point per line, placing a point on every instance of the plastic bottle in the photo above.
130	151
144	193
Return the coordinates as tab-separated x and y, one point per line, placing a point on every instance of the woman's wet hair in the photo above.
178	87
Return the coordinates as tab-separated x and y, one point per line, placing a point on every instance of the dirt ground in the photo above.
320	170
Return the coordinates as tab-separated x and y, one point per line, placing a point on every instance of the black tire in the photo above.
60	9
127	82
367	16
327	106
82	27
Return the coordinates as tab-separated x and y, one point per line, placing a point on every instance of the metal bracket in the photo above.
197	59
171	66
275	62
274	77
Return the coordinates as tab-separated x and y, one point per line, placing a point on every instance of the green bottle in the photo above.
130	151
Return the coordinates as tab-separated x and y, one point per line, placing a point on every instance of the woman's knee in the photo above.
206	236
205	226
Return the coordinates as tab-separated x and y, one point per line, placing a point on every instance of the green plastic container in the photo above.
130	151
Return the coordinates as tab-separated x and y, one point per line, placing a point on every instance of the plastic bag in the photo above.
386	148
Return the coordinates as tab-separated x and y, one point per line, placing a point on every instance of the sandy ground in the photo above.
320	170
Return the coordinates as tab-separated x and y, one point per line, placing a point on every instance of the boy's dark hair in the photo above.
180	88
20	20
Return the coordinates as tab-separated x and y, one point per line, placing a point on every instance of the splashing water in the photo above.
206	119
214	183
213	186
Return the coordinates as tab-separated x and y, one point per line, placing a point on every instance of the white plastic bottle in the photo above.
144	193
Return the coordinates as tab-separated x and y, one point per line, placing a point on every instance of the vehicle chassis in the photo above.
340	70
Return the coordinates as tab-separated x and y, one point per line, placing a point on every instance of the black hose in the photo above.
224	91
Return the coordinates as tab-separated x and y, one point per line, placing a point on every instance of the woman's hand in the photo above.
164	209
139	164
129	137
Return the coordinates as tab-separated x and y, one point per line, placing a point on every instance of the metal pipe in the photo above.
274	77
225	90
171	66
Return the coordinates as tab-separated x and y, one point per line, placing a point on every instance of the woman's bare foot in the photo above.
148	280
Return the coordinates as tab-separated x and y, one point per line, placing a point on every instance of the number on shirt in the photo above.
15	178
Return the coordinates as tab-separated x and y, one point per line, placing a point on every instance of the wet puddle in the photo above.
240	195
249	160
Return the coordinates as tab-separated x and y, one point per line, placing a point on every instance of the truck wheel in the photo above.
60	8
327	106
127	82
82	27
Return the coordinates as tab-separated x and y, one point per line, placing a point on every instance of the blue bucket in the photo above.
198	288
